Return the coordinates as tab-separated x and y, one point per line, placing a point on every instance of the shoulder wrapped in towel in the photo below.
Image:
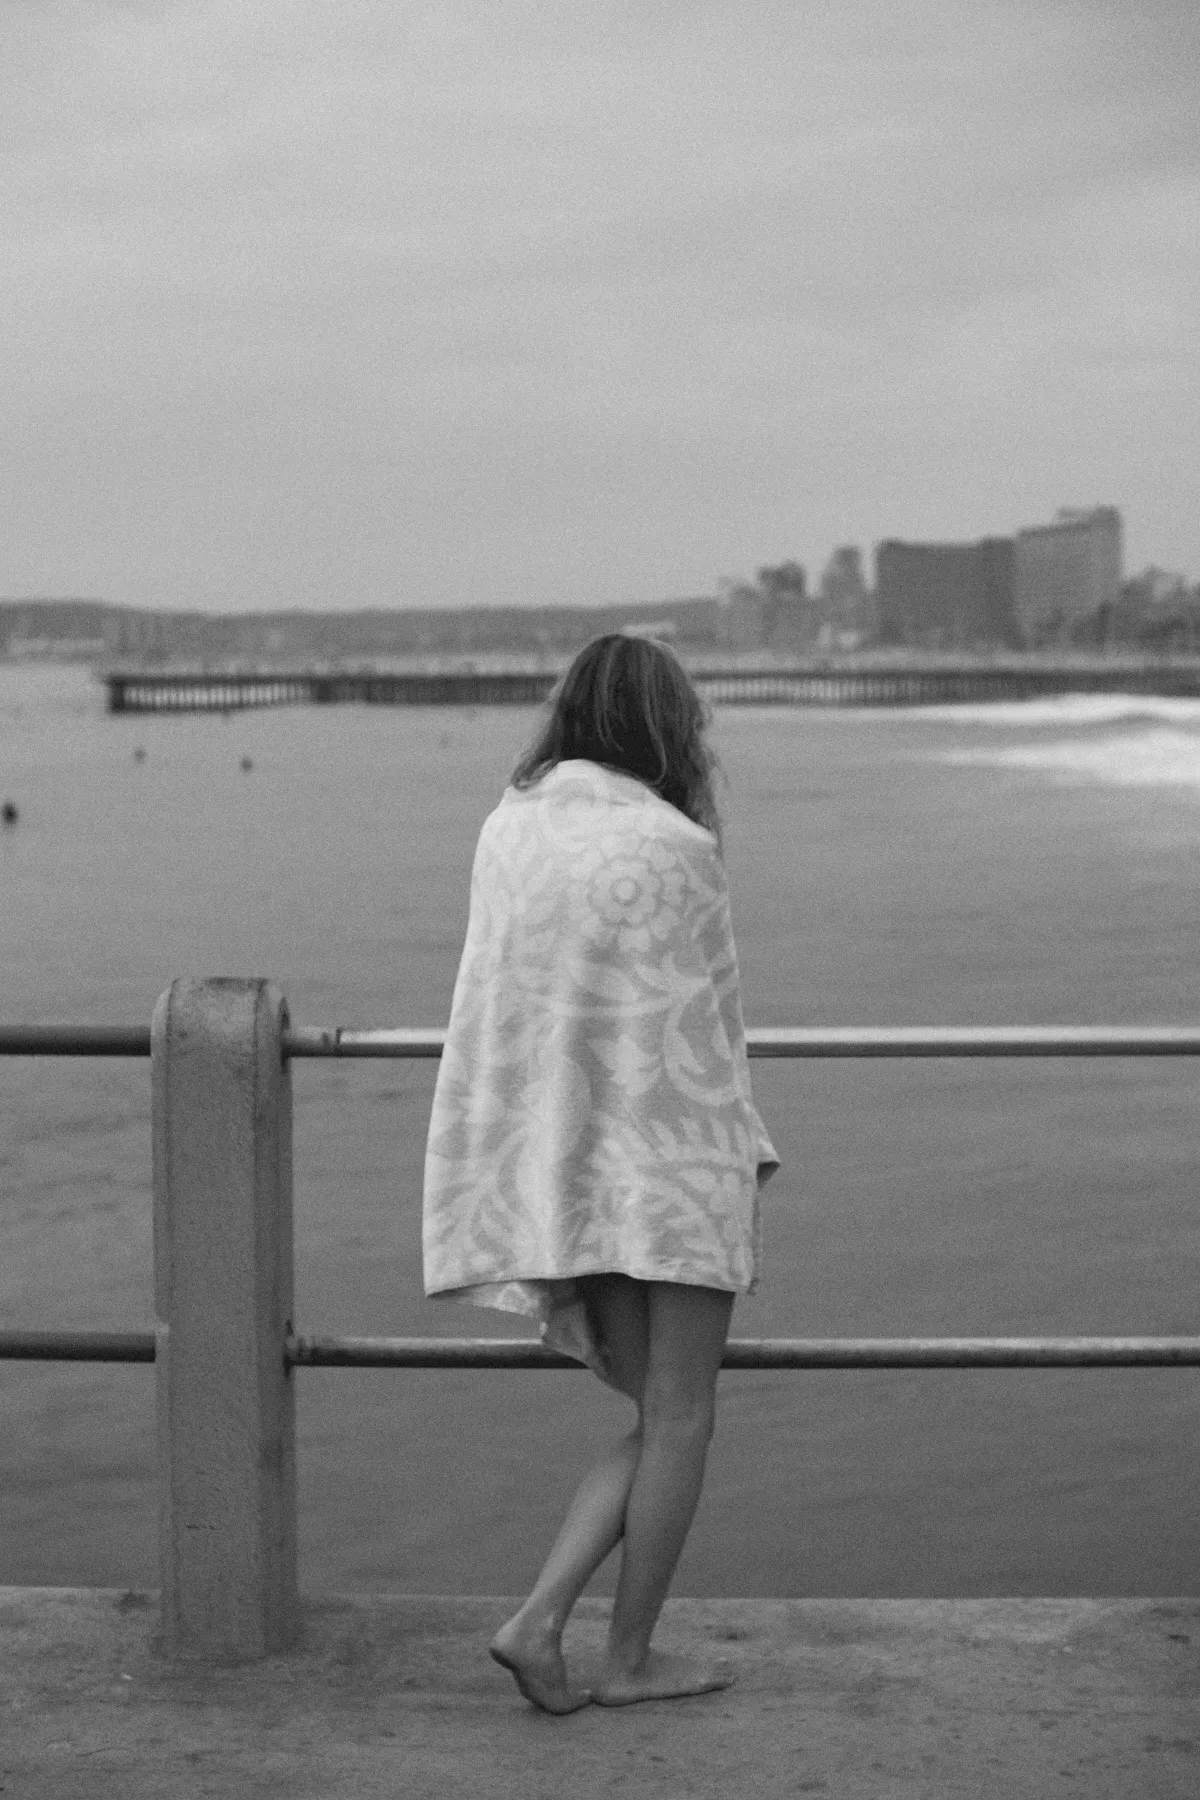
592	1110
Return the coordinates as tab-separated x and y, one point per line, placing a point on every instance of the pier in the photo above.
229	1677
394	1694
221	693
807	684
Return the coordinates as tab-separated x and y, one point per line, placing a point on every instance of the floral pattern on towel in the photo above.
592	1110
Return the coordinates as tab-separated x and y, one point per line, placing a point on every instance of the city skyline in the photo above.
814	571
366	307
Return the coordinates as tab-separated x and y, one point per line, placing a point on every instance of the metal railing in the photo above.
777	1041
225	1345
322	1352
871	1042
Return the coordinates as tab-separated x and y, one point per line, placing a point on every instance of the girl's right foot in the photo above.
661	1677
534	1660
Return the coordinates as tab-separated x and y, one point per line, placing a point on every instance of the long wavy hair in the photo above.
628	703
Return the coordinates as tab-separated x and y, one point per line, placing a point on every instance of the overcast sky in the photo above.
363	303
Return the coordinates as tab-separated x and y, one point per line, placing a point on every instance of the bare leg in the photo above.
688	1328
529	1644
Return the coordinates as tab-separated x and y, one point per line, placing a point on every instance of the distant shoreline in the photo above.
700	660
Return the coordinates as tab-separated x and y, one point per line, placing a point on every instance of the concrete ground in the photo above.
396	1695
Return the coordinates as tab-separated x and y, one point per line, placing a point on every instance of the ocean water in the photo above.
1033	862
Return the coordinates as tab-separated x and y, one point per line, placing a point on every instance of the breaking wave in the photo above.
1070	711
1159	757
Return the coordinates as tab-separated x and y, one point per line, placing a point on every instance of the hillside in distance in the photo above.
94	631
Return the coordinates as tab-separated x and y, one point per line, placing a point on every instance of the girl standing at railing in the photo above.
594	1154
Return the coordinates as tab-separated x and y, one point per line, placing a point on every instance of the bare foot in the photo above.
661	1677
534	1659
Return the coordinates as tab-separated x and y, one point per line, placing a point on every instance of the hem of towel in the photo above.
557	1306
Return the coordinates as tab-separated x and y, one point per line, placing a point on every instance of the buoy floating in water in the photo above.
139	754
9	813
247	764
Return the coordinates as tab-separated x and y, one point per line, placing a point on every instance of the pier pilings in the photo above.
796	685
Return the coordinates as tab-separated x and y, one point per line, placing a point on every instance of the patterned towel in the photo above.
592	1109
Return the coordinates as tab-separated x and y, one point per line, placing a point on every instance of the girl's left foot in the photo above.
661	1677
534	1659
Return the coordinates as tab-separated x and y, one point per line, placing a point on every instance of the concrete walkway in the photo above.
396	1696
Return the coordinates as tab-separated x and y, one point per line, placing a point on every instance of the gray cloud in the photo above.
361	304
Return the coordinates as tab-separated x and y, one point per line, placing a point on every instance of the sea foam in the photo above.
1069	711
1159	757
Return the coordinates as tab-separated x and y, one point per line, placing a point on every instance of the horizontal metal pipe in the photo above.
741	1353
963	1353
833	1041
976	1040
77	1346
336	1040
778	1041
767	1353
74	1040
424	1353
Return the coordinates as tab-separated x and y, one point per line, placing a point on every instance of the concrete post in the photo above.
222	1154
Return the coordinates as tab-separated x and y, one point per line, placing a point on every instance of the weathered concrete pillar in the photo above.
223	1297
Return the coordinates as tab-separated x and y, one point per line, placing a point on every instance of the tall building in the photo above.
845	603
776	612
945	596
1068	572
